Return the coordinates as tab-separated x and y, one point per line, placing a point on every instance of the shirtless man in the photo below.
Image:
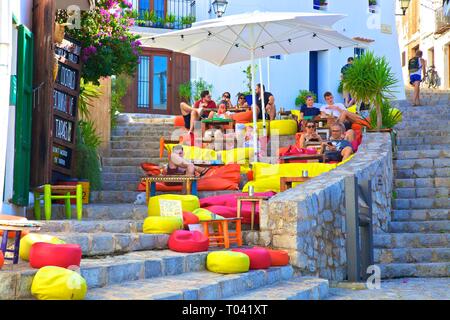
179	165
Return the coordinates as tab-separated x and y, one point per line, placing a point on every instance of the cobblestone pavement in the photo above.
398	289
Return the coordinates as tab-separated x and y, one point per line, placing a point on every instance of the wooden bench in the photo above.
189	184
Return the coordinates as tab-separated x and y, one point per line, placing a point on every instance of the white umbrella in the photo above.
253	35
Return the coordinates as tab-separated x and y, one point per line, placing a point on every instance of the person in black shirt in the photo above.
269	100
348	101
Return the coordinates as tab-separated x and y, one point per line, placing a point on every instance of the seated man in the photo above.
269	101
195	113
180	166
308	110
339	114
310	135
338	148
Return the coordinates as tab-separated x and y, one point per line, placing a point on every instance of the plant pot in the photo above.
148	23
381	130
187	26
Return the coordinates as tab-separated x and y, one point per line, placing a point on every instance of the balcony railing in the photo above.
442	21
154	13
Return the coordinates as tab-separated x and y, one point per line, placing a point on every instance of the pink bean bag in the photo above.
189	218
259	257
278	258
188	241
44	254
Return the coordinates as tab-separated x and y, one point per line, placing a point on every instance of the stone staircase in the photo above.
418	242
120	262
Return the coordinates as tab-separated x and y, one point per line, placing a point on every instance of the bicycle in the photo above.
432	78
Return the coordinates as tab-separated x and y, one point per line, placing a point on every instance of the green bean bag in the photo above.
188	203
161	225
56	283
227	262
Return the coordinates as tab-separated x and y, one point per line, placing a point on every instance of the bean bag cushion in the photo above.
59	255
188	203
160	225
188	241
227	262
2	259
11	235
242	117
151	169
189	218
56	283
178	121
206	215
278	258
283	127
27	241
259	257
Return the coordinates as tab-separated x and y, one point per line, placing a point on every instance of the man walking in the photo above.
416	67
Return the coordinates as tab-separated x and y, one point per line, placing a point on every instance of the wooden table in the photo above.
286	182
307	157
215	122
16	227
253	200
223	237
189	183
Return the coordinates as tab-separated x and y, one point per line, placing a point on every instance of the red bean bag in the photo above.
259	257
243	117
151	169
2	259
178	121
189	218
188	241
44	254
278	258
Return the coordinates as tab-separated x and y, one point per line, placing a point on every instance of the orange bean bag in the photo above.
44	254
243	117
11	235
189	218
278	258
151	168
178	121
188	241
2	259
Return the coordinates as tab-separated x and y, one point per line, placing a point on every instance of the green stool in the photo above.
49	193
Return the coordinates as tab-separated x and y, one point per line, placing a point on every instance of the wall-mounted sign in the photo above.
62	156
63	129
67	77
386	28
64	102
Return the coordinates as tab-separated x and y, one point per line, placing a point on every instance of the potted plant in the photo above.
187	21
301	98
185	92
372	2
390	118
169	21
149	18
370	79
248	83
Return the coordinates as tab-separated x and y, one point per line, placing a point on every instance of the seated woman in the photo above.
180	166
310	135
242	103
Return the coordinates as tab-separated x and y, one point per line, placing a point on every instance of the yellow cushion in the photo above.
195	153
188	203
203	214
283	127
55	283
296	113
27	241
236	155
159	225
227	262
352	109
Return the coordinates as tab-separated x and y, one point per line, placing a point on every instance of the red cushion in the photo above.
278	258
259	257
178	121
2	259
189	218
59	255
188	241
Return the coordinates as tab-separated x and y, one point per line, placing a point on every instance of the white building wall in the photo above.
291	74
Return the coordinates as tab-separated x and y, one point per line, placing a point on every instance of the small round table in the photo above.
17	227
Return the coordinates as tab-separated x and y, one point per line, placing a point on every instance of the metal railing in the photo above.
442	21
359	247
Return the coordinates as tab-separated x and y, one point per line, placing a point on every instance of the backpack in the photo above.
413	64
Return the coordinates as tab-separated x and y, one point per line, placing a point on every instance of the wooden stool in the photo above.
15	227
223	237
253	200
49	193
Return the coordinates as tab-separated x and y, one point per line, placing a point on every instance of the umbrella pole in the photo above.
268	74
255	124
263	103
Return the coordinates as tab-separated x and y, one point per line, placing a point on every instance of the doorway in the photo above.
313	72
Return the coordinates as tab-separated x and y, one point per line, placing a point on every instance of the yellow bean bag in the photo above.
27	241
283	127
227	262
56	283
188	203
236	155
206	215
195	153
352	109
296	113
259	124
160	225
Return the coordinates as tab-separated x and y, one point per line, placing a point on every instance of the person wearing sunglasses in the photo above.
226	100
338	148
241	103
180	166
195	112
309	135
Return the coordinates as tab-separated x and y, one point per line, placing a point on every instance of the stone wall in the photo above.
309	220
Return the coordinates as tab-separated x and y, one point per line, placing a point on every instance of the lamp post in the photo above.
404	5
219	7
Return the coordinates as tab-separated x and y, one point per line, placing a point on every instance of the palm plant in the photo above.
185	91
88	91
390	116
371	80
199	86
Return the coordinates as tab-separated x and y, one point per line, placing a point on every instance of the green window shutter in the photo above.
13	90
22	152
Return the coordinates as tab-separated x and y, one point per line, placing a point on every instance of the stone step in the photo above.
104	243
421	215
107	169
422	173
200	285
124	161
424	142
299	288
422	133
440	123
441	155
142	132
135	145
410	147
111	177
412	255
93	226
422	203
412	193
138	153
140	139
442	226
120	185
422	270
423	183
422	163
411	240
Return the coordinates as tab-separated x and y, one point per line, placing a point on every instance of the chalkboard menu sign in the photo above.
65	95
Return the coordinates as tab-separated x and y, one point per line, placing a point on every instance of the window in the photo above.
160	64
143	82
158	6
373	6
403	58
320	4
277	57
152	82
358	52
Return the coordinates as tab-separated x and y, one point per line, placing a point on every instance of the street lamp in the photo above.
404	4
219	7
